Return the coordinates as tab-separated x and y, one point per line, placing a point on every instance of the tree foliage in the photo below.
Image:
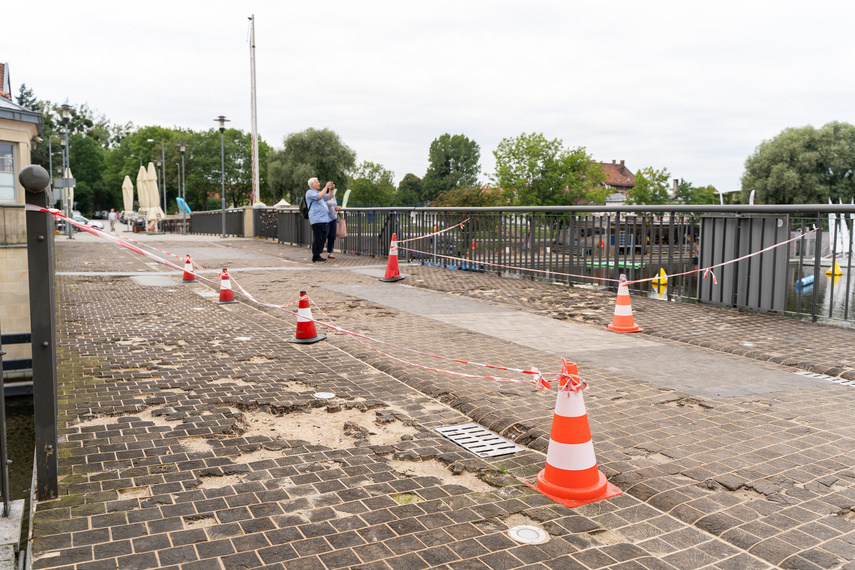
803	166
534	171
651	187
372	185
472	197
307	154
688	194
453	162
409	190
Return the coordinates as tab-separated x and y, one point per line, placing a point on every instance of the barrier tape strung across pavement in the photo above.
707	271
120	236
538	379
115	239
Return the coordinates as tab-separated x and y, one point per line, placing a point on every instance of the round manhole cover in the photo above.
324	395
528	534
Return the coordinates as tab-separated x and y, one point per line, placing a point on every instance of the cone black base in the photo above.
390	279
312	340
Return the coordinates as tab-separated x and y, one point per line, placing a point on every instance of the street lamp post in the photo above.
182	146
223	120
162	172
65	111
139	157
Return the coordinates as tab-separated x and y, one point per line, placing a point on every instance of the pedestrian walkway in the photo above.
195	436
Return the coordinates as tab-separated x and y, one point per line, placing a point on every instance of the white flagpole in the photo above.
256	192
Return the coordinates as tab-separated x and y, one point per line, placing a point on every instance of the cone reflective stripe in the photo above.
226	293
188	271
306	331
392	273
623	321
571	476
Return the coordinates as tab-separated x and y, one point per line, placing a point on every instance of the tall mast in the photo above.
256	192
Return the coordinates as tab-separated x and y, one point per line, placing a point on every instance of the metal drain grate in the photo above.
832	379
478	440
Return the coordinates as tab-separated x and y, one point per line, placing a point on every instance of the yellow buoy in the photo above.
661	279
834	270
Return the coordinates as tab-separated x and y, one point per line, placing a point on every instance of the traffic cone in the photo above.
834	270
226	293
623	322
571	476
306	332
392	273
189	277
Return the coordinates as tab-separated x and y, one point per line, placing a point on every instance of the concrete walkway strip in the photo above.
711	374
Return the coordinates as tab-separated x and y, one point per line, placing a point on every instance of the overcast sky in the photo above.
688	86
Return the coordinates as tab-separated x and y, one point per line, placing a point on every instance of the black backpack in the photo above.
304	208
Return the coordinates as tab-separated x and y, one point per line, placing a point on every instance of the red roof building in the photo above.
618	176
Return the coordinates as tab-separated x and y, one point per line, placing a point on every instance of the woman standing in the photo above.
331	227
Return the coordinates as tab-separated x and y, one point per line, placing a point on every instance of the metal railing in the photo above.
594	245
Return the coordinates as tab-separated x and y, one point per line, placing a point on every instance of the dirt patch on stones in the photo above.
324	426
433	468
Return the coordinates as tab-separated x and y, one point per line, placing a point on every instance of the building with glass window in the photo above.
18	129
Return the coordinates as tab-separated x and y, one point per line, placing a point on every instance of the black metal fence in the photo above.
211	223
595	245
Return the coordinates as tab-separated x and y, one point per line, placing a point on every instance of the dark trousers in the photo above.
319	236
331	236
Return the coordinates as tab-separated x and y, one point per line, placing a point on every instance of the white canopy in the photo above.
128	195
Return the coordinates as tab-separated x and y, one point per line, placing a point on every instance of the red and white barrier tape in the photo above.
357	336
434	233
708	270
119	240
120	236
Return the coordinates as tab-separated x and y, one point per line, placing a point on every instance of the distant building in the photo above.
18	128
619	179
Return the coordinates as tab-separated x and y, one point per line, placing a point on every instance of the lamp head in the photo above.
222	120
65	112
182	146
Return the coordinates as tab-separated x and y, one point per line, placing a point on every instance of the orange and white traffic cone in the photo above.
623	322
306	331
571	476
392	273
189	276
226	293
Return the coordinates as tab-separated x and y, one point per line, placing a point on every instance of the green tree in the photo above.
651	187
535	171
472	197
307	154
688	194
409	190
803	166
86	158
372	185
453	163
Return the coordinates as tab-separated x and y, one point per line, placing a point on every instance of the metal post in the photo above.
4	453
223	120
183	190
40	256
223	179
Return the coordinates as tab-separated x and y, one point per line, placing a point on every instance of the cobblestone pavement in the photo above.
191	436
